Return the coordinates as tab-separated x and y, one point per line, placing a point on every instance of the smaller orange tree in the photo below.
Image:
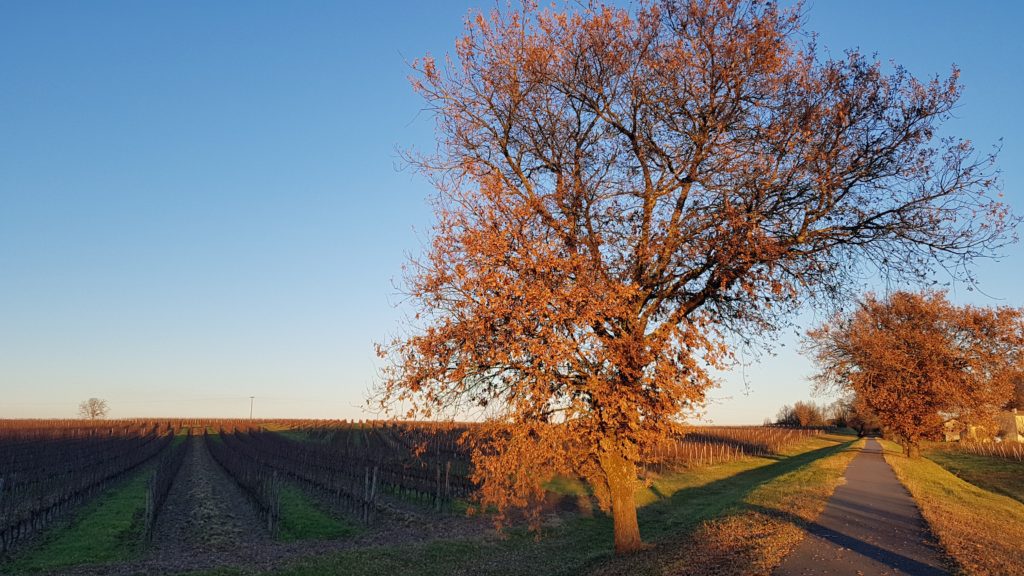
915	359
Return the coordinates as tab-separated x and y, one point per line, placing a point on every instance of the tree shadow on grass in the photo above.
670	523
684	509
990	473
583	545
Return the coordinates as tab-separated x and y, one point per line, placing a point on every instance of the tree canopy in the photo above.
619	191
917	360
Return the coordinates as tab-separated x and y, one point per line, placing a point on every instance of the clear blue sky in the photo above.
199	201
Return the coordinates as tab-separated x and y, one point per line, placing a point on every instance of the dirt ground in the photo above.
207	522
205	511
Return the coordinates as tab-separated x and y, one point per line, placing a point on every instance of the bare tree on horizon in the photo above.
93	408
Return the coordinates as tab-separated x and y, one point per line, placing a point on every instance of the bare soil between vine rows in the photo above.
208	522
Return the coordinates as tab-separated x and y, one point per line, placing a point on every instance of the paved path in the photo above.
871	525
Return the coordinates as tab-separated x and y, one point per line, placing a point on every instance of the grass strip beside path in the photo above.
748	522
994	474
979	529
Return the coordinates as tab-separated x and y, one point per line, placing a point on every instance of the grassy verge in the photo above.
997	475
745	523
979	529
109	529
772	496
302	519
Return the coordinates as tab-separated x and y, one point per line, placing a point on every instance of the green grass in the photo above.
276	427
297	434
990	473
741	517
709	492
675	506
109	529
978	528
565	486
301	519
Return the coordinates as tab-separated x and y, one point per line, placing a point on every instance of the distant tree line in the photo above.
802	414
842	413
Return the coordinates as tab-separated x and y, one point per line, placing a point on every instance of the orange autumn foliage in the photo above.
621	191
917	360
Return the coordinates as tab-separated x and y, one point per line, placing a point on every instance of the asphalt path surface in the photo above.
871	525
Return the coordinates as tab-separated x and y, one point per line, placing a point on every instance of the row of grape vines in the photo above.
255	478
421	464
161	481
353	488
421	459
42	479
68	427
1006	449
709	445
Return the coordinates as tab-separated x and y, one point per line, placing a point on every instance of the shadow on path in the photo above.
859	547
871	525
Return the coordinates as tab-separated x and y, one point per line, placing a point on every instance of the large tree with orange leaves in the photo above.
620	191
917	360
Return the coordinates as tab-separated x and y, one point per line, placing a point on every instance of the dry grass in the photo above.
980	530
756	540
754	537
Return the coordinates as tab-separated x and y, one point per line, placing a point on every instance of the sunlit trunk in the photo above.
621	474
911	450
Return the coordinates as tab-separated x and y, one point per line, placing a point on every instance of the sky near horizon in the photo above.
202	202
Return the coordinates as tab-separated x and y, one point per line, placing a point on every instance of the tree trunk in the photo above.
621	474
912	450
